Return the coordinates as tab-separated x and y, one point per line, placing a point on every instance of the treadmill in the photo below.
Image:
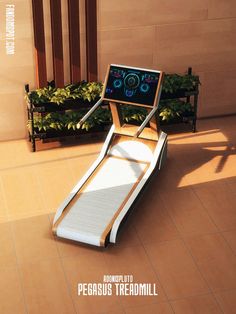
95	208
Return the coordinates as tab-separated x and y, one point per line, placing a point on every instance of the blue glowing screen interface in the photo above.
132	85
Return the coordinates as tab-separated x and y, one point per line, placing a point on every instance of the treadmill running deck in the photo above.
93	210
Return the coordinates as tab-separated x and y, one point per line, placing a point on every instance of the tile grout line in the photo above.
18	269
220	231
4	198
203	277
14	245
152	267
227	243
44	203
204	207
46	162
62	266
119	298
194	261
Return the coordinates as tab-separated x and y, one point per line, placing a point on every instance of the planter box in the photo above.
56	134
69	104
181	93
62	133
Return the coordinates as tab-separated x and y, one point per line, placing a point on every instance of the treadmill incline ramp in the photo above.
95	208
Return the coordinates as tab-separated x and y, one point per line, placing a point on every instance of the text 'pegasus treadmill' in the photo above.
120	285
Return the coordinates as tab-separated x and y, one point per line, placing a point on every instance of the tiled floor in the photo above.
182	235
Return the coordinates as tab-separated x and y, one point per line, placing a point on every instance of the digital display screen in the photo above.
131	85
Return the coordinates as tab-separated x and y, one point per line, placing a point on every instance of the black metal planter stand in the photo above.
42	109
190	96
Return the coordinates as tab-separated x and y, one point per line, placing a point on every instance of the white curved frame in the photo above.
158	154
81	182
158	157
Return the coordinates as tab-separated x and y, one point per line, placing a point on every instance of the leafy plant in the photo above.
82	90
69	120
175	108
174	82
99	117
90	91
131	113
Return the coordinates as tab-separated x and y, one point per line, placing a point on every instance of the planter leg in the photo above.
195	113
33	145
32	137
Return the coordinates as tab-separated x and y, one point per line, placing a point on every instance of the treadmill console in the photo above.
131	85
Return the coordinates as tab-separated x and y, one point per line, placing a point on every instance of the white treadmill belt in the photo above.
94	209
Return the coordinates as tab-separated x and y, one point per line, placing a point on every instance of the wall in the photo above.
171	36
18	69
15	71
167	35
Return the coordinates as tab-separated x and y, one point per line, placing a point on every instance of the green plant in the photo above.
69	120
82	90
90	91
174	82
174	108
99	117
131	113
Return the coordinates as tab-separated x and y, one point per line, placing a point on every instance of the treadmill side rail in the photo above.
99	202
81	182
161	147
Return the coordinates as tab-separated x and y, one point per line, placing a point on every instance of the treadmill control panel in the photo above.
131	85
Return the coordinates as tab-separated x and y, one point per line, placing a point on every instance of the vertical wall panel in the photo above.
39	42
74	40
91	39
48	39
57	46
65	39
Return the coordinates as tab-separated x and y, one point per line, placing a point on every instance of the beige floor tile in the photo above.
84	149
45	288
204	304
215	260
231	182
11	296
187	211
158	308
219	202
194	191
3	209
127	235
230	237
7	249
89	266
34	240
227	301
169	177
25	158
115	311
176	269
22	193
152	222
68	248
8	153
55	180
80	165
134	261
